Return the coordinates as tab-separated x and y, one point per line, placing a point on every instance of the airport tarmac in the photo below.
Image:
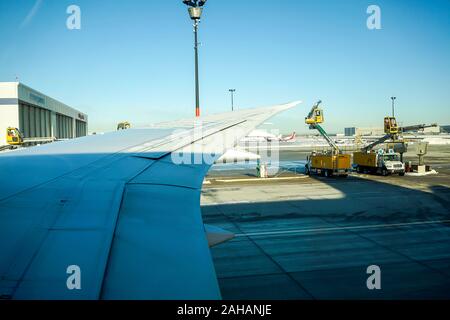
300	237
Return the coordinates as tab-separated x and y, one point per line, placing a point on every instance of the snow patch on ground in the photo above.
416	174
437	141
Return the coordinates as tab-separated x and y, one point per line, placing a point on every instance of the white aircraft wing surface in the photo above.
114	216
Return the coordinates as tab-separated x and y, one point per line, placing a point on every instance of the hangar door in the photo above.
64	127
34	122
80	128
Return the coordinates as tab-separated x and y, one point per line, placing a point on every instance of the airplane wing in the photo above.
123	207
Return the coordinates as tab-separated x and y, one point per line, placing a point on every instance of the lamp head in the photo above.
195	12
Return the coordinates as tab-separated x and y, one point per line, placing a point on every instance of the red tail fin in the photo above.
291	137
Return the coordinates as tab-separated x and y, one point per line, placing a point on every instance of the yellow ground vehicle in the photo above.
385	161
328	164
331	163
123	125
380	162
14	137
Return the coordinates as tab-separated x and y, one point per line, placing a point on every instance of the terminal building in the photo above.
445	129
353	131
37	115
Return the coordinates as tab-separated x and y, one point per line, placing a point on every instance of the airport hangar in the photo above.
37	115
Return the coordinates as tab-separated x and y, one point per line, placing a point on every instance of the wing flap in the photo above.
160	250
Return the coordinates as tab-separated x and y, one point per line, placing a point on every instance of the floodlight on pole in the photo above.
393	105
195	12
232	91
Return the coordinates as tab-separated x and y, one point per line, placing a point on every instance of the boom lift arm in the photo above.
313	119
376	142
417	127
394	136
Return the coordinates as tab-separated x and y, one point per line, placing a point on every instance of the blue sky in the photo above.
133	60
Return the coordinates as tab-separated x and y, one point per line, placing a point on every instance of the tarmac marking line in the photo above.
265	179
376	226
